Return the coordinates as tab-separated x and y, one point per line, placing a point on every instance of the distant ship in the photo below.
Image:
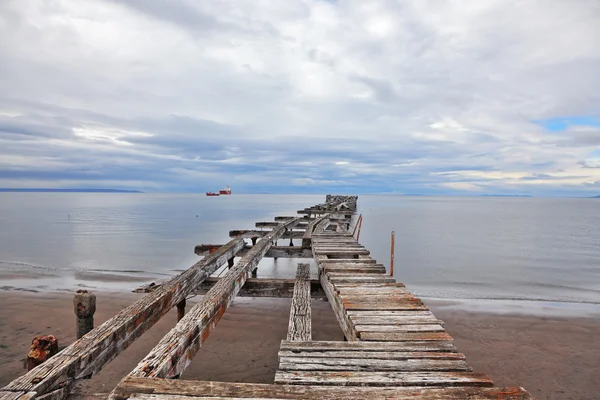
212	194
227	190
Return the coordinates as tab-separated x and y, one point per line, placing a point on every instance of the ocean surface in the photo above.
491	252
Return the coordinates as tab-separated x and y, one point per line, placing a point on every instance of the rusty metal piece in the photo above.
42	348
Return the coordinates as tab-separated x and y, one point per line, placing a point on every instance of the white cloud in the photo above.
395	92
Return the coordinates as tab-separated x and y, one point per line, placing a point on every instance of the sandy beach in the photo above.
554	358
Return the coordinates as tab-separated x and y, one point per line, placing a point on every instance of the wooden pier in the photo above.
395	347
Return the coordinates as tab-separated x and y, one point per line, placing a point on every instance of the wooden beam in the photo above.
299	327
338	308
89	354
266	287
168	389
177	348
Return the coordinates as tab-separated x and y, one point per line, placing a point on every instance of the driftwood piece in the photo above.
175	351
89	354
299	327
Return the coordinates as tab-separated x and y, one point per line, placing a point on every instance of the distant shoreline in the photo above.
41	190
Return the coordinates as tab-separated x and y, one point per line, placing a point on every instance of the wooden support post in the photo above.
253	241
359	226
291	242
42	348
230	262
84	304
392	254
299	328
180	310
254	272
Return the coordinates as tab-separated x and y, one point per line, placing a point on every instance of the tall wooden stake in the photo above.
392	254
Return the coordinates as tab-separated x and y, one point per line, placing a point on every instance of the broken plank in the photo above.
368	364
404	336
359	378
299	327
176	349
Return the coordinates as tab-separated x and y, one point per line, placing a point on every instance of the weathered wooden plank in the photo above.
90	353
176	349
383	355
344	278
398	328
375	298
266	287
347	261
393	304
405	320
369	285
384	313
388	378
288	252
338	309
168	389
254	234
368	364
307	238
355	268
404	336
299	327
367	346
341	252
377	291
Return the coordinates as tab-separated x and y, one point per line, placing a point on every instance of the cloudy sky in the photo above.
406	96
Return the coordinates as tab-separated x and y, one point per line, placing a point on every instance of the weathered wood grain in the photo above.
355	268
384	313
175	351
393	304
347	261
167	389
383	355
368	364
299	327
367	346
344	278
341	252
404	320
398	328
346	290
360	378
404	336
89	354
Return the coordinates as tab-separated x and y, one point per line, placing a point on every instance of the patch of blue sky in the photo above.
563	123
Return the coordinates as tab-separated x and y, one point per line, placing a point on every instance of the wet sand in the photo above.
554	358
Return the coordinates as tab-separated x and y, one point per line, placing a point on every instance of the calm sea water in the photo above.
484	248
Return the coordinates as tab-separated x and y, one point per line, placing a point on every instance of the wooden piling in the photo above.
392	254
84	304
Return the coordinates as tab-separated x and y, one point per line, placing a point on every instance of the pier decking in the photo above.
395	347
